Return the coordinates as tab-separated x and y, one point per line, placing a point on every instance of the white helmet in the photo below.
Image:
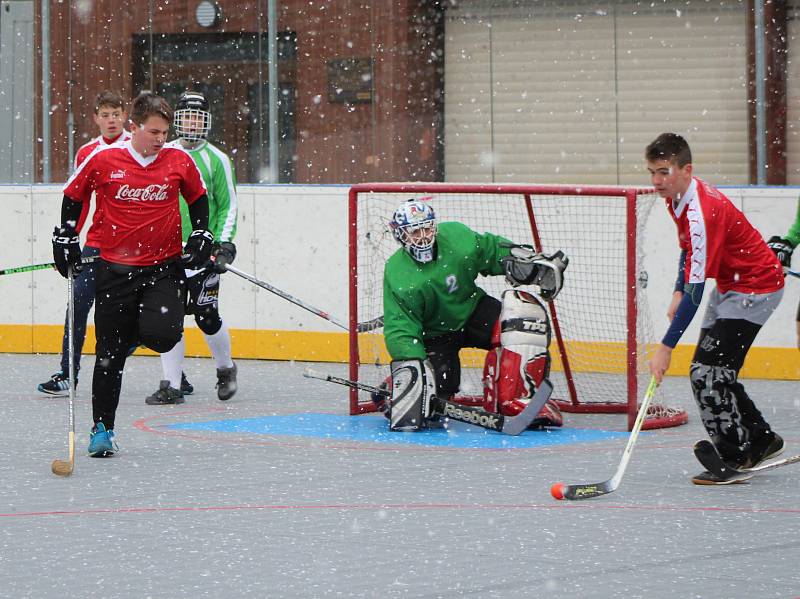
414	227
192	117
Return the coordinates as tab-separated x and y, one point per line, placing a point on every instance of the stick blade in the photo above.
589	491
63	467
313	374
516	424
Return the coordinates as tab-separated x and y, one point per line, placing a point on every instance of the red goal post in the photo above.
602	329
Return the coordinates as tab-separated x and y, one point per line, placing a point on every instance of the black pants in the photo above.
133	306
729	415
443	350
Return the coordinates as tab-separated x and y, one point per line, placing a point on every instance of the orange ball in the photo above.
557	490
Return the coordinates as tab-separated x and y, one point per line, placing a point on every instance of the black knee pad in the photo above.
447	371
208	321
160	343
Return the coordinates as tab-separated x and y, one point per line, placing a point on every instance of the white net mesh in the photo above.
592	310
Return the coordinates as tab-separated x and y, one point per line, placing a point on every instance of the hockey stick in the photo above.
286	296
62	467
791	273
313	374
587	491
509	425
45	266
362	326
709	457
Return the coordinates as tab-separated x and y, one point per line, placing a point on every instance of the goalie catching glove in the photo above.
523	266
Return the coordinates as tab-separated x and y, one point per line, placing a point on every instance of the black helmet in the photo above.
192	117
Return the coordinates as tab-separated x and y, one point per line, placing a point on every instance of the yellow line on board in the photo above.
782	363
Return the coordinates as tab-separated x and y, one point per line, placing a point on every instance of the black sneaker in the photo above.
226	382
57	385
763	448
186	387
165	395
709	478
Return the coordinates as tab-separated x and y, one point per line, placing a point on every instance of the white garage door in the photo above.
572	93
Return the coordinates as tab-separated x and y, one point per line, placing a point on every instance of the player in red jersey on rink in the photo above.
716	242
110	117
140	286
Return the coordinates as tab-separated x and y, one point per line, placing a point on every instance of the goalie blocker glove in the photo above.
224	253
783	249
413	396
66	249
523	266
197	250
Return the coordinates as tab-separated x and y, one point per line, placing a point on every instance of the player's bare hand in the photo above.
659	363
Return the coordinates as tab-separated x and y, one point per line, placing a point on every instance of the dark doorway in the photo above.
231	70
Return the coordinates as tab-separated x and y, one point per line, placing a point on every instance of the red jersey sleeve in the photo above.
83	181
83	153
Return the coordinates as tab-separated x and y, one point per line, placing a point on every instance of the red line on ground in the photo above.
403	506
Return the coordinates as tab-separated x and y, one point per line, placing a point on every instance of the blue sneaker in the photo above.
58	385
101	442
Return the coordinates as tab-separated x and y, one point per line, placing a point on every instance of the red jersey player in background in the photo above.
140	274
716	242
110	117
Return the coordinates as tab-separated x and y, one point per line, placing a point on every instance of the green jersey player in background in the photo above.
433	308
192	123
783	248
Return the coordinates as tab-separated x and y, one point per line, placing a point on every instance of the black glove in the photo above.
382	402
224	253
197	250
783	249
66	249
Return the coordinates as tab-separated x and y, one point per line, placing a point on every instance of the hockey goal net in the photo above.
602	329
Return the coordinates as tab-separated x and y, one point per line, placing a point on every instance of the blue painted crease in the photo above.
374	429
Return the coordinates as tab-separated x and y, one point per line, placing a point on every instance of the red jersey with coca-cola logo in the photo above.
138	197
721	244
93	234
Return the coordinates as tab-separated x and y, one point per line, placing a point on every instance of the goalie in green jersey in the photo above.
433	307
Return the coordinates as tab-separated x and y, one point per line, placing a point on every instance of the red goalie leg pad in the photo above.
491	371
517	383
490	374
549	415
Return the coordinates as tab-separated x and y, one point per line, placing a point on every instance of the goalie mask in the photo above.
192	117
414	227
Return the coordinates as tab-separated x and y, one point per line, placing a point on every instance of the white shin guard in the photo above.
172	364
220	345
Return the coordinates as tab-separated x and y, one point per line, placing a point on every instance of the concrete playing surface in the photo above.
278	493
